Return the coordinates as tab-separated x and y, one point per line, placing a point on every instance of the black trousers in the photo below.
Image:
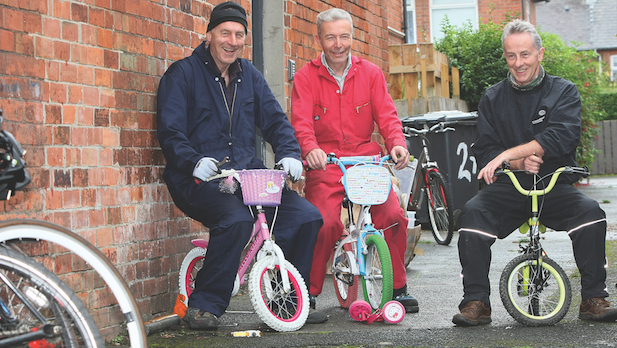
498	210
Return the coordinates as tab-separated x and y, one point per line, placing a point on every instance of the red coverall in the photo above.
343	123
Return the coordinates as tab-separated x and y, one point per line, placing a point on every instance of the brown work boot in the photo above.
597	309
474	313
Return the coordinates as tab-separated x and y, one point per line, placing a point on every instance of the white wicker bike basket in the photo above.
367	184
262	186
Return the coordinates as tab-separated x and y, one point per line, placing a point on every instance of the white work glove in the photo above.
293	167
205	168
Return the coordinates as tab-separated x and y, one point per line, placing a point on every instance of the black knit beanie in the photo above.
227	11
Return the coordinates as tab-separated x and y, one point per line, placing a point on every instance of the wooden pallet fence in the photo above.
413	63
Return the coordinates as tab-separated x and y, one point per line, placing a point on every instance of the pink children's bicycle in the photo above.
276	288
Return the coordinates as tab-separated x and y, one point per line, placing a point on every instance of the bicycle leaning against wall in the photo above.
429	183
37	309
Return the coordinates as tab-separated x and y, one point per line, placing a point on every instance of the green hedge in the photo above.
608	102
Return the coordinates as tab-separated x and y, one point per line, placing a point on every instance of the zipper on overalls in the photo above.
233	101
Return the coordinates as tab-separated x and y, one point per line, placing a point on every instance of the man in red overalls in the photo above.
337	99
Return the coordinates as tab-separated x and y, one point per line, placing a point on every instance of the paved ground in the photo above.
434	279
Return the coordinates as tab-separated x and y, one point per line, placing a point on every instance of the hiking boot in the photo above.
198	319
408	301
474	313
597	309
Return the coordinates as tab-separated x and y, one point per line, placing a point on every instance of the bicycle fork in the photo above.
269	247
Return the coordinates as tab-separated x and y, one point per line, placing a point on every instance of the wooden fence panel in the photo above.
597	167
613	147
605	161
608	158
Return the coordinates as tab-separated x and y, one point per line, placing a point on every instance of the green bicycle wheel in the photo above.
377	284
535	296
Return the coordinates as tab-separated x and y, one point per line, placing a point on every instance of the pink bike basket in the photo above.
262	186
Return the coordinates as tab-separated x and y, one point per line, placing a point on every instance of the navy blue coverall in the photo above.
199	116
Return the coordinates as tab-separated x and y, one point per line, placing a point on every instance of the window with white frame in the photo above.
410	21
458	12
613	68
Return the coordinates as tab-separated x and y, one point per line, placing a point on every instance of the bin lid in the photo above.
451	117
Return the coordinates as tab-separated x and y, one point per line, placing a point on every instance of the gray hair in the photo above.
519	26
333	14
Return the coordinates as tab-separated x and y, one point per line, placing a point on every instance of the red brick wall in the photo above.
78	83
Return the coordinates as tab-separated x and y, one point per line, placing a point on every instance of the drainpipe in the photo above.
258	62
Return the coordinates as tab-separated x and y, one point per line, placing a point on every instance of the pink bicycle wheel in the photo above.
360	310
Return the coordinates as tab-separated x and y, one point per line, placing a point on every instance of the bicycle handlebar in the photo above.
353	160
440	127
584	171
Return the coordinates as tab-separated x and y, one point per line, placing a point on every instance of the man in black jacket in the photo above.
531	120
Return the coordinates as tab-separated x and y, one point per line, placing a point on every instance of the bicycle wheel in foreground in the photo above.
53	299
440	208
345	282
280	310
12	231
533	295
377	284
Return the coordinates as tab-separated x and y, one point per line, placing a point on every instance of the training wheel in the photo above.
360	310
393	312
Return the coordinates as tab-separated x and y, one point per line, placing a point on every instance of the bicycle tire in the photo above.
378	283
191	264
279	310
439	201
345	282
526	303
51	297
17	229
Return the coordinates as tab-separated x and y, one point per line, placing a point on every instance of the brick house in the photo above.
590	23
425	16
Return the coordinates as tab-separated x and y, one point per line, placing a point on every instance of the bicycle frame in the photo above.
261	246
45	330
534	222
364	228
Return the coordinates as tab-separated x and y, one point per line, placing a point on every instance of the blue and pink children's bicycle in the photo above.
362	250
276	288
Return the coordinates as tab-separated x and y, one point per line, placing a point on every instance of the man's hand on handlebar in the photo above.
530	164
316	159
400	156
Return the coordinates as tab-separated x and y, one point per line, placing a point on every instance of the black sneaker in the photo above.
315	316
198	319
409	302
